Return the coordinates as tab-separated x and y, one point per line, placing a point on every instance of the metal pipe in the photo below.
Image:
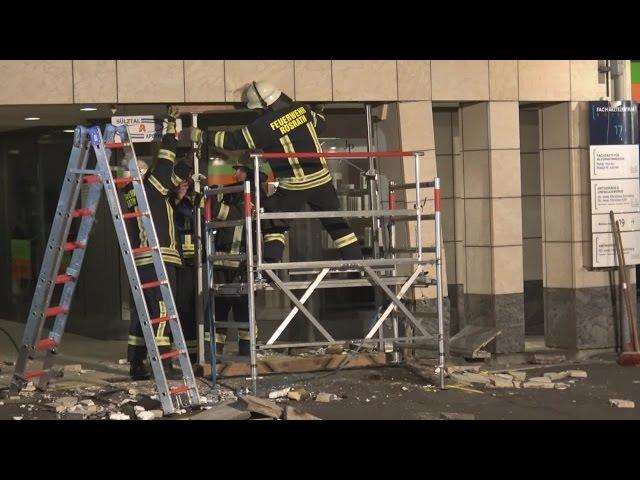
337	342
336	214
343	263
197	258
416	160
618	74
439	283
256	179
385	154
395	356
251	290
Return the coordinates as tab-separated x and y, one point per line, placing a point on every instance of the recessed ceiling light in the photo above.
89	109
69	131
30	119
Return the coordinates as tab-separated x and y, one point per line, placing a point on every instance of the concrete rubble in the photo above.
118	416
457	416
616	402
279	393
324	397
298	395
577	374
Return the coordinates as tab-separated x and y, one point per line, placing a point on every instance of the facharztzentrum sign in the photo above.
615	182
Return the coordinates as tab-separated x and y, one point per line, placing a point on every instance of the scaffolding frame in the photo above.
255	267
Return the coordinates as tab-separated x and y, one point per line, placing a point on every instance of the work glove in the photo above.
196	135
172	117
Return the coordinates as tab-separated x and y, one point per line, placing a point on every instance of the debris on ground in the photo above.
17	418
518	375
547	358
324	397
501	380
30	387
457	416
554	376
531	384
279	393
262	406
118	416
577	374
292	413
75	368
540	380
616	402
462	368
123	361
144	415
298	395
470	378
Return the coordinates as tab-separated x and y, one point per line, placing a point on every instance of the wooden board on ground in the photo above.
287	364
222	411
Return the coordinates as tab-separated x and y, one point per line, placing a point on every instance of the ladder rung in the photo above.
82	212
64	279
91	179
171	354
34	374
155	321
46	344
133	215
178	390
72	246
54	311
141	250
155	284
123	180
112	146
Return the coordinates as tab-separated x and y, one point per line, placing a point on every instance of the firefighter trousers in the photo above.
321	198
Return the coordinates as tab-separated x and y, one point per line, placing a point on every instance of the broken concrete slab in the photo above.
279	393
518	375
261	406
499	382
555	376
577	374
616	402
457	416
538	385
298	395
469	341
157	413
540	380
547	358
470	378
292	413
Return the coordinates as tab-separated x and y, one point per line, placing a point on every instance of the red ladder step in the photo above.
171	354
112	146
54	311
64	279
46	344
123	180
72	246
155	321
82	212
178	390
155	284
141	250
127	216
33	374
92	179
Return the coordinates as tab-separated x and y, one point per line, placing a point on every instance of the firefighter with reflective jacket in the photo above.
288	127
232	240
186	198
159	183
